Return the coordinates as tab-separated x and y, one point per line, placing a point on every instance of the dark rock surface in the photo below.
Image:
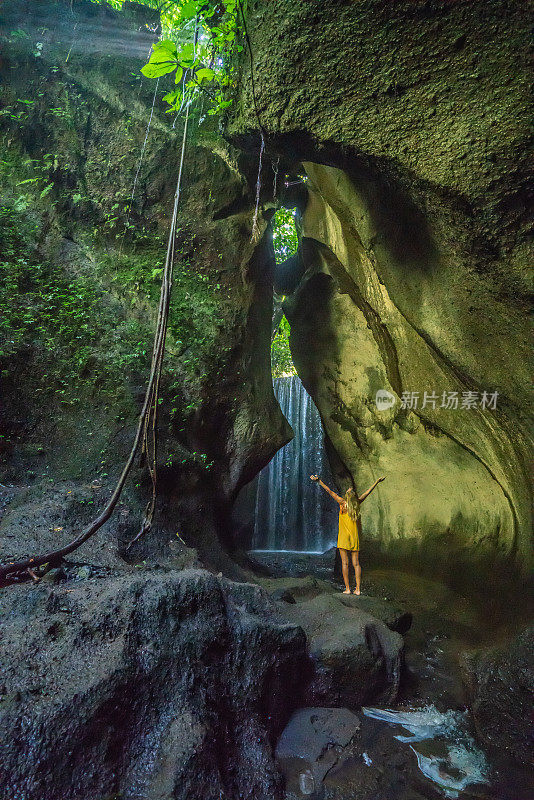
500	689
315	741
148	685
291	590
357	655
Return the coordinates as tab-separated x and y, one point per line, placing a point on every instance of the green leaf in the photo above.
165	45
187	52
204	75
163	60
188	10
171	97
179	75
46	190
162	57
157	70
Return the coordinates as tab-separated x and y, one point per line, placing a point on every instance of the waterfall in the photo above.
292	512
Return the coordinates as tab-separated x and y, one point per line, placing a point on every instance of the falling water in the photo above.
453	761
292	513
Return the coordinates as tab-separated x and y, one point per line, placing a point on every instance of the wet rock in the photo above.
500	687
301	588
314	741
391	614
154	684
356	657
284	595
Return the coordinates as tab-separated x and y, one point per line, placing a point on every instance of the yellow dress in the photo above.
348	538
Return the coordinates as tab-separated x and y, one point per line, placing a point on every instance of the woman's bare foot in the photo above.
346	591
356	591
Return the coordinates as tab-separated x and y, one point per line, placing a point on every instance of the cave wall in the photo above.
411	121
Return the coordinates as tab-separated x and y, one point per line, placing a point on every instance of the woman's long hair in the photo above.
353	504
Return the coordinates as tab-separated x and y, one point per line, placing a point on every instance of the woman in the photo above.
350	526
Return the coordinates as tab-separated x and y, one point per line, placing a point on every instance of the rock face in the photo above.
500	687
314	741
151	685
411	122
356	653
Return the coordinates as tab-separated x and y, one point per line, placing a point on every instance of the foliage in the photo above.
195	315
64	325
200	38
281	361
285	243
285	239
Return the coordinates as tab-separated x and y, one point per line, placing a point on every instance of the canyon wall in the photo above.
411	122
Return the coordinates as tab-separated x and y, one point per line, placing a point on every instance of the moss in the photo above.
67	326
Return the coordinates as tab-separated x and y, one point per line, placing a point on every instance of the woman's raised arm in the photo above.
336	497
370	489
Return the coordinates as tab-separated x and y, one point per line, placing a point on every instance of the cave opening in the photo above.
285	241
281	510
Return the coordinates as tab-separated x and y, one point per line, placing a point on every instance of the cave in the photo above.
242	244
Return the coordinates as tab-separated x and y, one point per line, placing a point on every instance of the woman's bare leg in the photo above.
345	568
357	570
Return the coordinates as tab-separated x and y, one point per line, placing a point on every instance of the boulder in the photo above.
144	684
356	658
391	614
394	615
500	688
314	741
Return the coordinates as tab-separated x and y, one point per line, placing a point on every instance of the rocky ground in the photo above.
157	678
143	684
460	660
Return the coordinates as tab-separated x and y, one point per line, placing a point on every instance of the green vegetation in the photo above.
195	312
285	238
200	40
76	329
65	326
285	243
281	360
